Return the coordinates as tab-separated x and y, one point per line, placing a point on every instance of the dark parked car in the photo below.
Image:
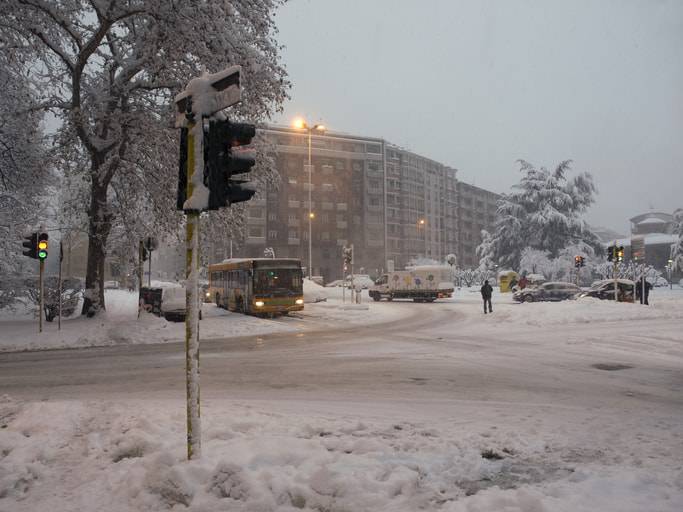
552	291
605	290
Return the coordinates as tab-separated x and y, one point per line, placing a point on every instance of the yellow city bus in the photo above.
257	285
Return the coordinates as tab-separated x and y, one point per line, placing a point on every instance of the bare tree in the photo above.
108	69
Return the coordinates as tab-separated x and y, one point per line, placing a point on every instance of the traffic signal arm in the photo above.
31	244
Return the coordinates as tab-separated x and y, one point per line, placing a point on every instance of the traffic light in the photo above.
620	253
225	157
347	253
31	245
577	261
42	246
583	261
612	253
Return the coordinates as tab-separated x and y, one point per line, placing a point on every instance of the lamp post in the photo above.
301	124
421	224
670	268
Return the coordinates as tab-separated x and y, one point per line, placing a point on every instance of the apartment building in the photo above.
393	205
476	212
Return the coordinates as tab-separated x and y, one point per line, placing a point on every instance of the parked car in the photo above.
173	303
604	290
362	280
335	284
552	291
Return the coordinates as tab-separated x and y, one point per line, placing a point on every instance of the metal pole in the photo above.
191	302
40	286
140	271
615	252
149	277
59	289
310	208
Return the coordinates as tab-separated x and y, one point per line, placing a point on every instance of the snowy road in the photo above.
434	352
471	411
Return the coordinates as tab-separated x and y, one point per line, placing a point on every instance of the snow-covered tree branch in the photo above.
109	69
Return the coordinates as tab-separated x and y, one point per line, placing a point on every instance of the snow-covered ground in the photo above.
103	456
120	325
471	413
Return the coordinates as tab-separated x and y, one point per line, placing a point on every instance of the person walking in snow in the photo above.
648	287
486	292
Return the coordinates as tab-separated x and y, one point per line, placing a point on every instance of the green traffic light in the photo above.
42	254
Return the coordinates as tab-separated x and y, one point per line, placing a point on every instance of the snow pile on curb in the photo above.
586	310
119	325
62	456
313	292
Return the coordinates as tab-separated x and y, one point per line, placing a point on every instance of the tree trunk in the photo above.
98	232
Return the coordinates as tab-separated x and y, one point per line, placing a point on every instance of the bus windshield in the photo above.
278	281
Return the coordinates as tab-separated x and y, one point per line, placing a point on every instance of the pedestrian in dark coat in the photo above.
486	292
648	287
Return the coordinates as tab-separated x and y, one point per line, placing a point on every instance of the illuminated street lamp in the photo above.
300	124
421	224
670	268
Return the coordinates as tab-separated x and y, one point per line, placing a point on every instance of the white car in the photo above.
335	284
173	303
362	280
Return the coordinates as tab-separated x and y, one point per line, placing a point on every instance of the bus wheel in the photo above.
376	297
390	298
218	300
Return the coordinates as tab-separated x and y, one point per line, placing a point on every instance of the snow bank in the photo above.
587	310
120	325
63	456
313	292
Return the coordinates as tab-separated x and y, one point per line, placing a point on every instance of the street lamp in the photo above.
670	268
300	124
421	224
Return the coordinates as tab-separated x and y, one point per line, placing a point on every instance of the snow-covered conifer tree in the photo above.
109	69
543	212
677	247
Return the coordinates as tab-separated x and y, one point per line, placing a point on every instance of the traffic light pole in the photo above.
140	271
40	286
616	285
191	302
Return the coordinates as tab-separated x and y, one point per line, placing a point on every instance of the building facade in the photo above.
476	212
393	205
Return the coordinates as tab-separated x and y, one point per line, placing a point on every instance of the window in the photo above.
342	207
291	180
328	187
255	232
272	216
272	234
256	213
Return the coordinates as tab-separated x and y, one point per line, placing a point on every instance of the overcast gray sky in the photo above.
479	84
